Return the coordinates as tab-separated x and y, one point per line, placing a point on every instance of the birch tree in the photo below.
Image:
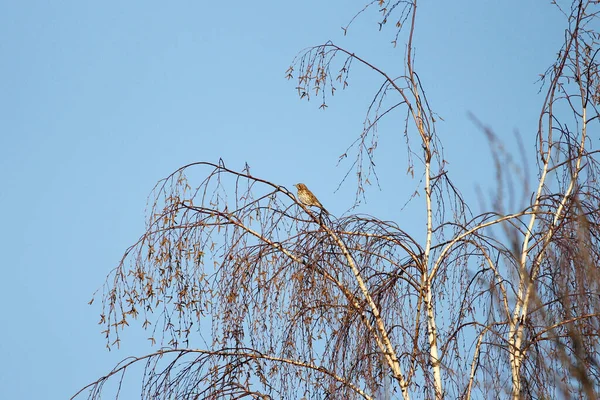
246	292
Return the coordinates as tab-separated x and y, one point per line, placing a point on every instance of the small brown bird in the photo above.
307	198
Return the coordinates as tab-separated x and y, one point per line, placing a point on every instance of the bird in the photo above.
307	197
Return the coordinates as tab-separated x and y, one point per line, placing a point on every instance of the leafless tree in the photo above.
248	293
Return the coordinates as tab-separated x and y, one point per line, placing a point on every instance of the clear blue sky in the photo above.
99	100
